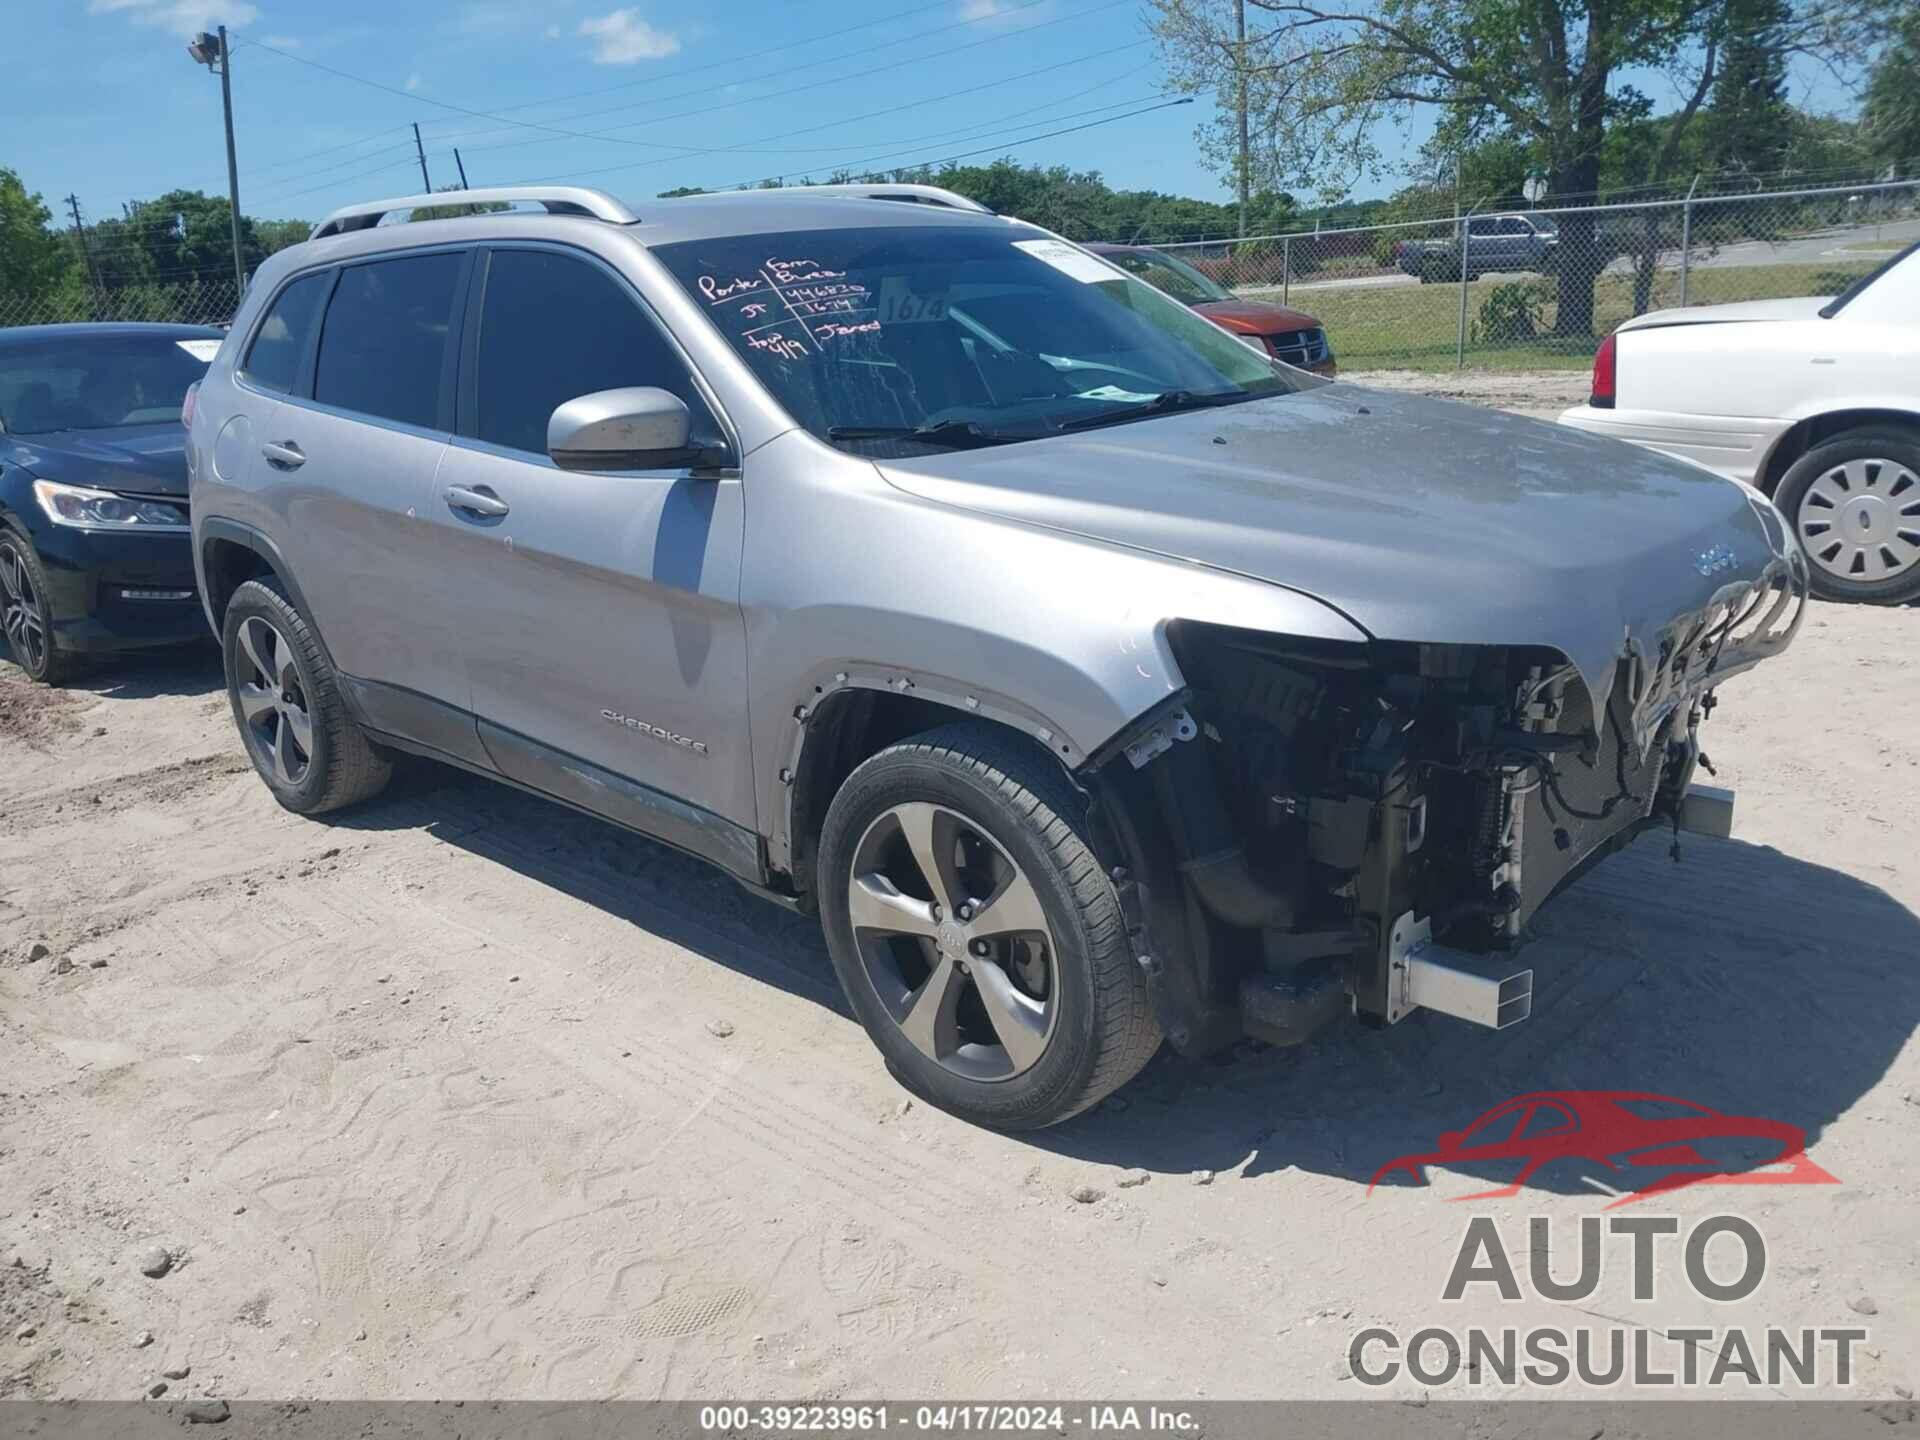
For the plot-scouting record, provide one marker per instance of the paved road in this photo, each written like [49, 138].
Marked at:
[1831, 244]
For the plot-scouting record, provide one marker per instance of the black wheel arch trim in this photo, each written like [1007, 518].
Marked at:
[217, 528]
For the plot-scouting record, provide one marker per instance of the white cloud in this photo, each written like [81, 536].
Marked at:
[553, 32]
[282, 42]
[622, 37]
[183, 17]
[981, 9]
[413, 82]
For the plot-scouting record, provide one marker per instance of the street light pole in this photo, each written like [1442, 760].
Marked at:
[233, 166]
[212, 51]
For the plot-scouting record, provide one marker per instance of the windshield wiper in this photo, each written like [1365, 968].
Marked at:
[944, 432]
[1164, 403]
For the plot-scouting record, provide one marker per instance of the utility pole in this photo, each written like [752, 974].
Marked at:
[426, 184]
[458, 165]
[1240, 101]
[213, 52]
[73, 204]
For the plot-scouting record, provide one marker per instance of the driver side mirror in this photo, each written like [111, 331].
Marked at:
[639, 427]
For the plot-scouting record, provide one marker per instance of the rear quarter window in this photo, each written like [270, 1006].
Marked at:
[273, 360]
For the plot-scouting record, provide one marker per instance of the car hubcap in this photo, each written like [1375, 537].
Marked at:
[273, 705]
[1861, 520]
[20, 614]
[954, 941]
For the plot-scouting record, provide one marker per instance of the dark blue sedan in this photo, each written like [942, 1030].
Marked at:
[95, 550]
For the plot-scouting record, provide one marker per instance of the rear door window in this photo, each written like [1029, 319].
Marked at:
[280, 344]
[554, 328]
[384, 350]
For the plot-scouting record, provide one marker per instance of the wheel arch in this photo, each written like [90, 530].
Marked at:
[852, 715]
[1800, 437]
[228, 554]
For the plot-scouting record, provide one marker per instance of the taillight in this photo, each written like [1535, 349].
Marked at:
[1602, 396]
[187, 404]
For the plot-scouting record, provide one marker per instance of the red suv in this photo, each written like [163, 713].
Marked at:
[1286, 334]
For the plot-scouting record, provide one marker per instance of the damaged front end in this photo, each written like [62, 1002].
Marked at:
[1314, 828]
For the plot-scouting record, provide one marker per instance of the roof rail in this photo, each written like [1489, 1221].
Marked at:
[559, 200]
[913, 194]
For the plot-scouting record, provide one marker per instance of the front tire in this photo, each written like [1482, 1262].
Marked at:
[286, 703]
[977, 934]
[25, 617]
[1854, 501]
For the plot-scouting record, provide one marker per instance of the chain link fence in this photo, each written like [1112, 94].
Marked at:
[1537, 288]
[192, 302]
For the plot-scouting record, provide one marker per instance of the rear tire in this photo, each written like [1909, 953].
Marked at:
[1031, 934]
[286, 703]
[1854, 503]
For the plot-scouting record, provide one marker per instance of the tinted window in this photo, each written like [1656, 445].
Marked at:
[99, 382]
[274, 361]
[384, 346]
[552, 329]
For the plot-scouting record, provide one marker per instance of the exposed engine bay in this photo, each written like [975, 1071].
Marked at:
[1323, 828]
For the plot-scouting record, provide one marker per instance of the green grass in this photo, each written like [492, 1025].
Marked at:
[1415, 327]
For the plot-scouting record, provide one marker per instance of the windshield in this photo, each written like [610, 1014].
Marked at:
[894, 340]
[99, 382]
[1177, 278]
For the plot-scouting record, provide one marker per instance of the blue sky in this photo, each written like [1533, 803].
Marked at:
[685, 91]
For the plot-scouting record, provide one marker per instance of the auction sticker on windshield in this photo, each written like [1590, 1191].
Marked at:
[1070, 260]
[200, 349]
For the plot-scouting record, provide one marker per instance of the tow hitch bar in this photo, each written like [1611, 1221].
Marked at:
[1486, 989]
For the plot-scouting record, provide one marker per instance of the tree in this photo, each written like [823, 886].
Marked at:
[1749, 125]
[1324, 75]
[31, 256]
[1891, 123]
[277, 235]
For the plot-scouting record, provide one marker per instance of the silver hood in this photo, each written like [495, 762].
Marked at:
[1419, 519]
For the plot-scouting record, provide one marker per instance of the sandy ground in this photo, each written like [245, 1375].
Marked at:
[462, 1095]
[1543, 394]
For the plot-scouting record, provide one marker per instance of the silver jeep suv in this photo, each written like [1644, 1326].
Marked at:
[1095, 677]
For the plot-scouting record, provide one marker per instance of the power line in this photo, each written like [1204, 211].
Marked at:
[964, 132]
[969, 154]
[721, 63]
[856, 119]
[429, 100]
[788, 49]
[800, 88]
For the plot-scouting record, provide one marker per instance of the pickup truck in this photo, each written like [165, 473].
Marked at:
[1494, 242]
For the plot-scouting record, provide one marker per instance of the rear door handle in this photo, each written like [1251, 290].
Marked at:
[476, 502]
[283, 454]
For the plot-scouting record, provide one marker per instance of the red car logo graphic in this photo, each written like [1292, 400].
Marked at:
[1622, 1130]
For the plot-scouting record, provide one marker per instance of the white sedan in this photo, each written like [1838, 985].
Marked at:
[1814, 402]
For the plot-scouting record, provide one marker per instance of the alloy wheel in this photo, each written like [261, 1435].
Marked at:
[21, 617]
[954, 941]
[273, 703]
[1860, 521]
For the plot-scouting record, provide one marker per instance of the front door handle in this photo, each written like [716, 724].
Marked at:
[476, 502]
[283, 454]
